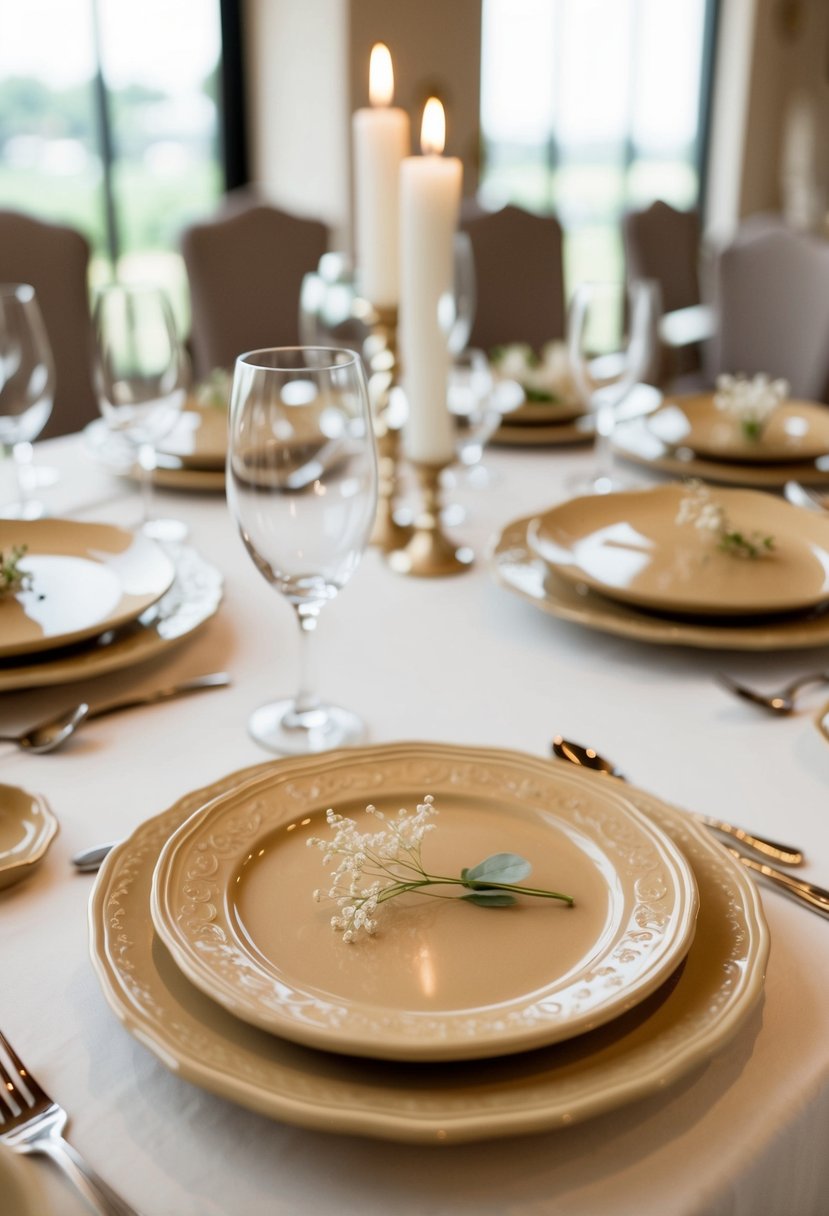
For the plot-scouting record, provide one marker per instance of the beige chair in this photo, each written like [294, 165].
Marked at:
[519, 278]
[54, 259]
[663, 244]
[772, 302]
[245, 268]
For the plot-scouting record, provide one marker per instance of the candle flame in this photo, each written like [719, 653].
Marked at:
[433, 129]
[380, 76]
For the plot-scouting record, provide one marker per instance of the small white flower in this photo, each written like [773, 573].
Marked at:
[750, 402]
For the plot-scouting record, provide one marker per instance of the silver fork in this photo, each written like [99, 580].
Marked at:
[780, 702]
[30, 1122]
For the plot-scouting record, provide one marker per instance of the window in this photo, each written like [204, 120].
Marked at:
[111, 123]
[590, 107]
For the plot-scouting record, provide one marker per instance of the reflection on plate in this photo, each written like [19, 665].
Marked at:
[199, 438]
[629, 546]
[636, 441]
[115, 453]
[84, 579]
[679, 1027]
[192, 599]
[27, 828]
[518, 568]
[442, 979]
[796, 431]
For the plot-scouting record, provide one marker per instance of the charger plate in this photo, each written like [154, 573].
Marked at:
[795, 431]
[19, 1185]
[517, 567]
[170, 473]
[679, 1028]
[629, 546]
[85, 579]
[442, 979]
[27, 828]
[198, 438]
[193, 598]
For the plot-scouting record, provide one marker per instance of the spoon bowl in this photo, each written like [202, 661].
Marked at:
[46, 736]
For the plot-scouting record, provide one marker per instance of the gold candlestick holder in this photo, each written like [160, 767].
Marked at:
[380, 353]
[430, 553]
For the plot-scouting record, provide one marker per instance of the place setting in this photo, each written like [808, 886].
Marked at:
[677, 564]
[748, 432]
[213, 938]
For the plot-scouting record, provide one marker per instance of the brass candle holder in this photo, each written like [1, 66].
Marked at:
[430, 553]
[380, 353]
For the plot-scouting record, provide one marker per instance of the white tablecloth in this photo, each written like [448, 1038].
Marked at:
[458, 660]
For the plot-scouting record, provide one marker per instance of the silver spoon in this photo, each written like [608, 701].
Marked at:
[46, 736]
[800, 496]
[781, 702]
[585, 757]
[49, 735]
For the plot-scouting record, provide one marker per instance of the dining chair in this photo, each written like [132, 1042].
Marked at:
[772, 301]
[245, 267]
[54, 259]
[519, 275]
[663, 244]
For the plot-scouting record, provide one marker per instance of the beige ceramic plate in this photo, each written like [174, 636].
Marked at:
[199, 438]
[19, 1188]
[170, 474]
[629, 546]
[559, 435]
[442, 979]
[795, 431]
[634, 440]
[27, 828]
[85, 579]
[518, 568]
[678, 1028]
[193, 598]
[540, 413]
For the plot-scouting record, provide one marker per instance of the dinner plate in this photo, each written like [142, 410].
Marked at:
[19, 1187]
[170, 473]
[636, 442]
[192, 599]
[83, 580]
[541, 413]
[27, 828]
[680, 1027]
[795, 431]
[631, 547]
[441, 979]
[519, 569]
[564, 434]
[199, 438]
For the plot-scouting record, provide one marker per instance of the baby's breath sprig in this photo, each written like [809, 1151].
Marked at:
[12, 578]
[374, 867]
[750, 402]
[701, 510]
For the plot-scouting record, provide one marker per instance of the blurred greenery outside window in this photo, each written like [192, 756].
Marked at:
[591, 107]
[147, 75]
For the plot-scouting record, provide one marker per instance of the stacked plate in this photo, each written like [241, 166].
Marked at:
[623, 563]
[453, 1022]
[95, 599]
[689, 436]
[191, 457]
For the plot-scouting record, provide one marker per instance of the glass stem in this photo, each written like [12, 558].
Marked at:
[21, 454]
[146, 463]
[603, 447]
[306, 702]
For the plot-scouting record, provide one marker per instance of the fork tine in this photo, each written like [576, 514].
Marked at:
[8, 1095]
[35, 1092]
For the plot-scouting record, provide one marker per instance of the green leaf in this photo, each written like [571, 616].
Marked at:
[500, 867]
[490, 899]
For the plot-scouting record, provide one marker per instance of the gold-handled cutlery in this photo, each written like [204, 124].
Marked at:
[49, 735]
[783, 701]
[31, 1122]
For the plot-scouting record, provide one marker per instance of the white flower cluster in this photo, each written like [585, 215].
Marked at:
[372, 866]
[750, 402]
[544, 376]
[697, 507]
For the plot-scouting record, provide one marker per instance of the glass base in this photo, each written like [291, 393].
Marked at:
[320, 730]
[169, 530]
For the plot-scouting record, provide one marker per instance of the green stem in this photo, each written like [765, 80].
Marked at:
[434, 880]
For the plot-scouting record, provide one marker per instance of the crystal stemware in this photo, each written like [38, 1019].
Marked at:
[302, 486]
[609, 342]
[27, 386]
[456, 309]
[141, 378]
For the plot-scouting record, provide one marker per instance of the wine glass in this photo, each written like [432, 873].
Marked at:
[27, 387]
[456, 308]
[141, 378]
[302, 486]
[609, 343]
